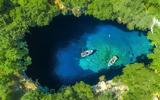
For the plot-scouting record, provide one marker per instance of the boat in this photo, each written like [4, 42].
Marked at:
[112, 60]
[87, 53]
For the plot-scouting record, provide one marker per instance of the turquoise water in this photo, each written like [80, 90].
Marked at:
[107, 40]
[55, 50]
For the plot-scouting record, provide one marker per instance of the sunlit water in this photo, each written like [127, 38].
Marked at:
[107, 40]
[55, 50]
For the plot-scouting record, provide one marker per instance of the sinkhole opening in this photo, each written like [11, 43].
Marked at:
[56, 50]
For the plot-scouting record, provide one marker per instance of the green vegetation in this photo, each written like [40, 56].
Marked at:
[79, 91]
[134, 13]
[106, 96]
[142, 82]
[16, 16]
[102, 78]
[155, 65]
[76, 7]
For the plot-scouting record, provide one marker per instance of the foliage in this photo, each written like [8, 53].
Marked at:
[141, 81]
[76, 7]
[1, 5]
[79, 91]
[101, 9]
[33, 95]
[10, 87]
[16, 16]
[136, 13]
[155, 65]
[106, 96]
[102, 78]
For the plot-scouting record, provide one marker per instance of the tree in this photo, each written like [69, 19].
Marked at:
[106, 96]
[142, 82]
[155, 65]
[16, 16]
[101, 9]
[1, 5]
[102, 78]
[79, 91]
[83, 91]
[33, 95]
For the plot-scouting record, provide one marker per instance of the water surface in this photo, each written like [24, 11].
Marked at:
[108, 41]
[55, 50]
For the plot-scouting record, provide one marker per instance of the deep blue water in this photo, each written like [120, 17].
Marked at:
[107, 40]
[55, 50]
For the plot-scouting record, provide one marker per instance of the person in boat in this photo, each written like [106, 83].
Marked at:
[113, 60]
[87, 53]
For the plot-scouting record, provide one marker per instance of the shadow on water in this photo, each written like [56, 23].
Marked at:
[143, 59]
[109, 73]
[43, 42]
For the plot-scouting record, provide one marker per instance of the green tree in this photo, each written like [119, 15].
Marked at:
[101, 9]
[102, 78]
[155, 65]
[79, 91]
[106, 96]
[83, 91]
[33, 95]
[142, 82]
[1, 5]
[16, 16]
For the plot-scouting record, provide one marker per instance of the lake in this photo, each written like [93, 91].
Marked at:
[55, 50]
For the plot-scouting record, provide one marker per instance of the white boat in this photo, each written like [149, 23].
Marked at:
[86, 53]
[112, 60]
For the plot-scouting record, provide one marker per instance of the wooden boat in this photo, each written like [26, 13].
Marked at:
[87, 53]
[112, 60]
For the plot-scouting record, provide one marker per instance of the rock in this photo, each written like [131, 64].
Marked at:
[110, 86]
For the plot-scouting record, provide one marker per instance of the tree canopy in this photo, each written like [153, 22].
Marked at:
[17, 16]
